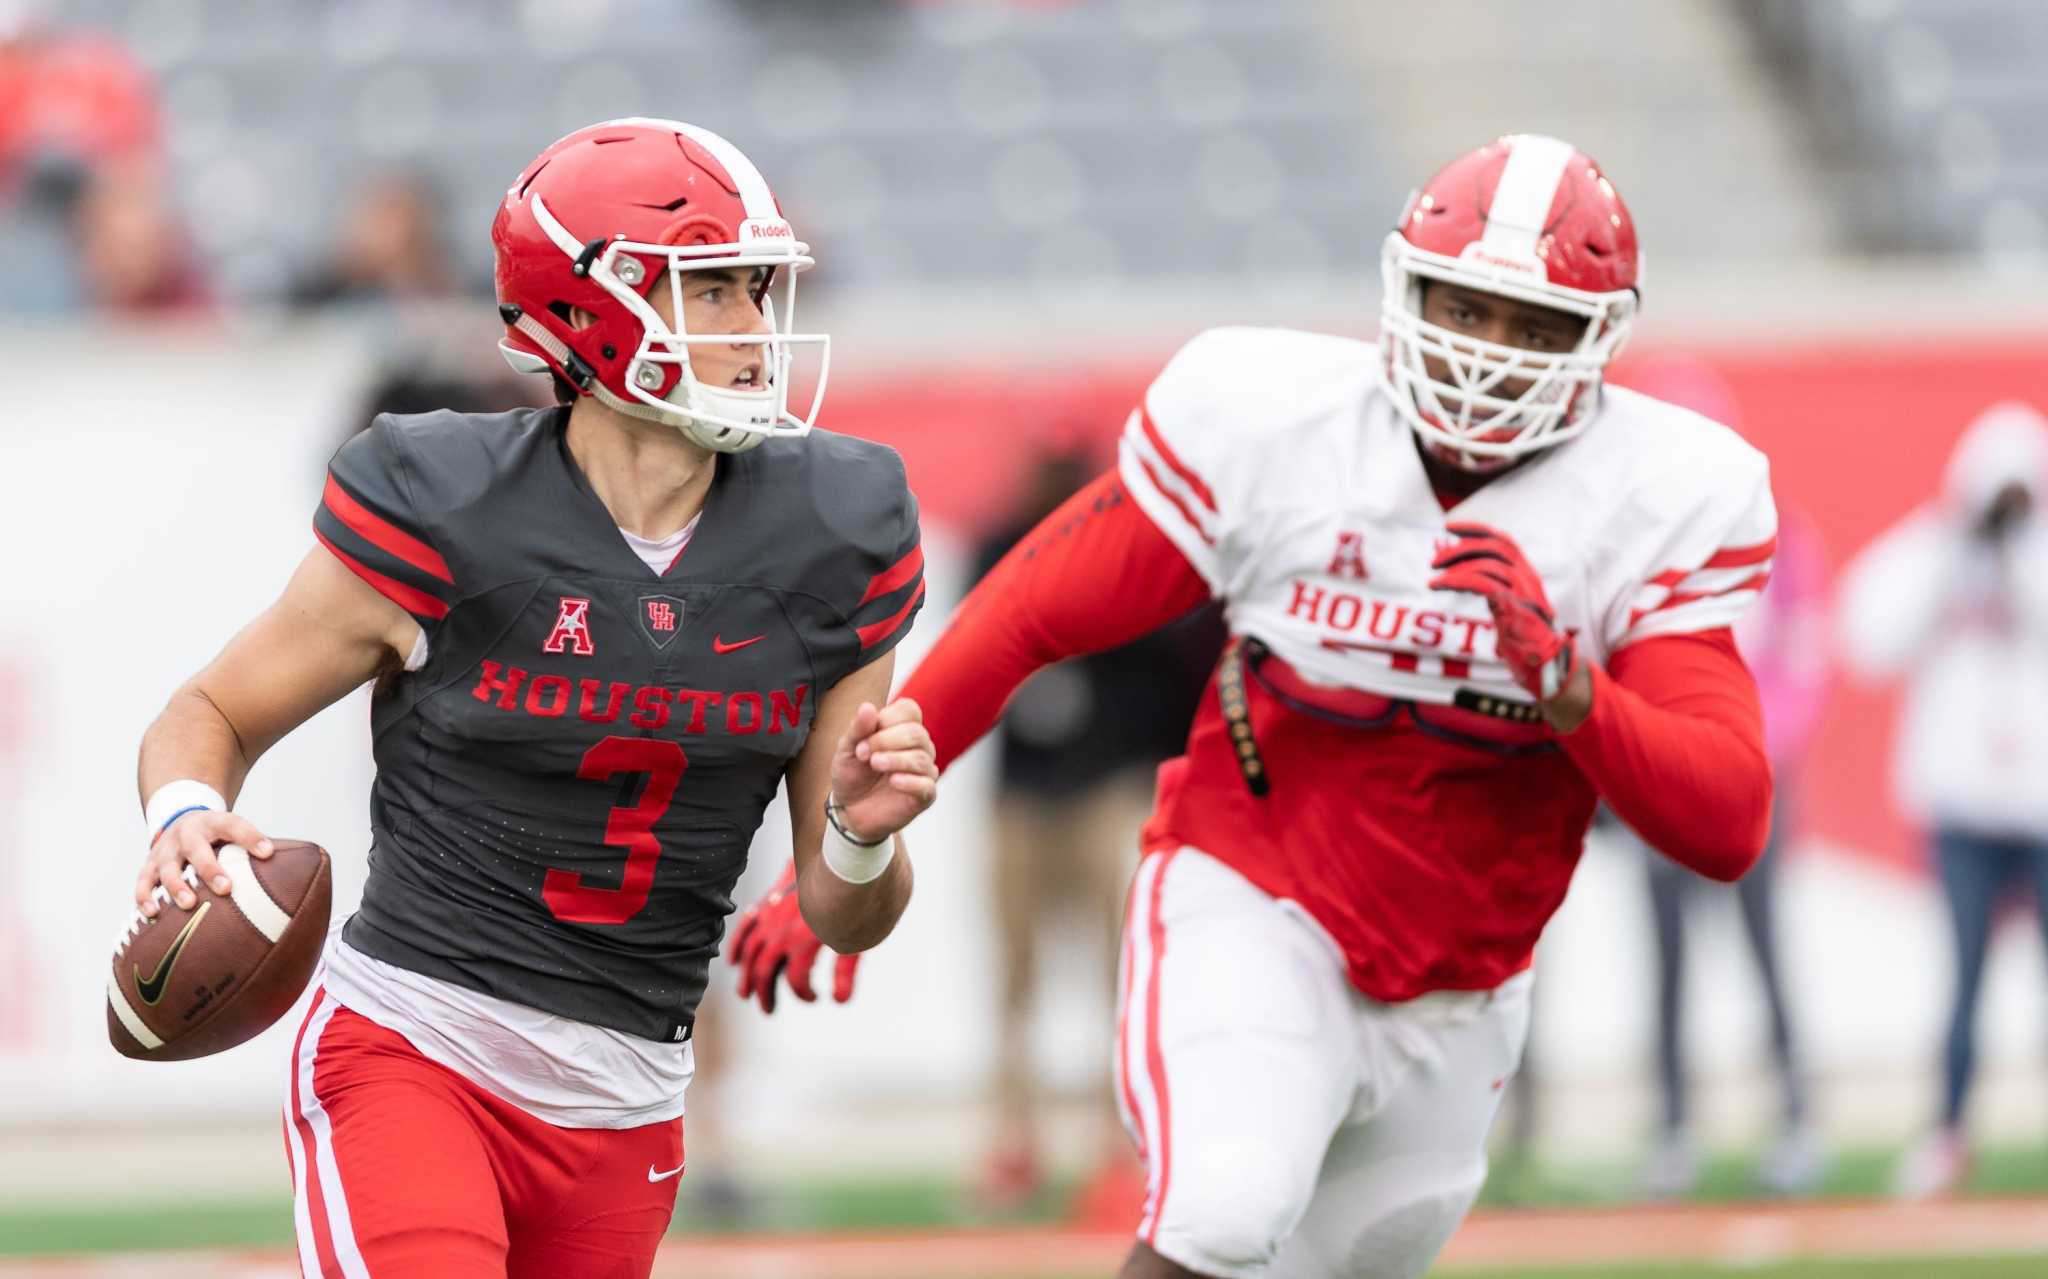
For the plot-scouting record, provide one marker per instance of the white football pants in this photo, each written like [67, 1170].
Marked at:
[1290, 1125]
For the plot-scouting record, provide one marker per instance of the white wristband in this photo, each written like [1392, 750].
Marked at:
[173, 800]
[856, 863]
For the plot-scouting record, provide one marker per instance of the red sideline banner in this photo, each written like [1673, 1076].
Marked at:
[1858, 433]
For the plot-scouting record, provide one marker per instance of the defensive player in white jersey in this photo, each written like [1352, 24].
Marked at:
[1471, 590]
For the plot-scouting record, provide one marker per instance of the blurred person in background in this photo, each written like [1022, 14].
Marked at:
[1074, 780]
[1954, 600]
[72, 103]
[391, 248]
[68, 95]
[1785, 642]
[428, 378]
[390, 261]
[135, 258]
[1385, 793]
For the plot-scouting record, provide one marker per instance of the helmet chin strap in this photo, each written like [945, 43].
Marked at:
[700, 429]
[694, 428]
[710, 416]
[722, 439]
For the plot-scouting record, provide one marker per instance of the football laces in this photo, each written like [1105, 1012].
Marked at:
[137, 920]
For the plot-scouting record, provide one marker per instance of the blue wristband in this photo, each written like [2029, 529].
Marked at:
[172, 819]
[177, 799]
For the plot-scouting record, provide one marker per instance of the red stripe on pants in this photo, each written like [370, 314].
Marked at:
[1154, 1061]
[316, 1202]
[1123, 1019]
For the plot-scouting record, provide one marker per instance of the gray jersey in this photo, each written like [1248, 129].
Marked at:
[566, 790]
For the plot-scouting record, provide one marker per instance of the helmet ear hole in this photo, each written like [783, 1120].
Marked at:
[575, 317]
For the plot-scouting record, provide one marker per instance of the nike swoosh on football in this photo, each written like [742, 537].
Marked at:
[652, 1175]
[720, 646]
[151, 988]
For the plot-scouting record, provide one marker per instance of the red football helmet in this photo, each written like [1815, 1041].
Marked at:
[1530, 218]
[601, 217]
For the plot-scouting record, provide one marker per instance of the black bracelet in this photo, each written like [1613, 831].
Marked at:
[833, 808]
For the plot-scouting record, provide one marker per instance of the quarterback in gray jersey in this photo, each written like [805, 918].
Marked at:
[603, 634]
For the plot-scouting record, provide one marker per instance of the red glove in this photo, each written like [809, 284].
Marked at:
[1486, 562]
[773, 940]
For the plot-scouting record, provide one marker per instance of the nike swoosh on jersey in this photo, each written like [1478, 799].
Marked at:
[720, 646]
[151, 988]
[652, 1175]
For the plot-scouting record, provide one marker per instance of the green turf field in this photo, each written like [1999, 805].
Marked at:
[1943, 1268]
[1919, 1268]
[1726, 1177]
[937, 1203]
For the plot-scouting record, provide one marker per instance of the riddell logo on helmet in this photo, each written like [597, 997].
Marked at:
[1476, 252]
[763, 229]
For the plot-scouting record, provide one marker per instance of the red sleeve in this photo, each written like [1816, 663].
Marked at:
[1095, 574]
[1675, 745]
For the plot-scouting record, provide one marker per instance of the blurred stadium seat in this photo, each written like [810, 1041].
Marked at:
[1932, 112]
[990, 140]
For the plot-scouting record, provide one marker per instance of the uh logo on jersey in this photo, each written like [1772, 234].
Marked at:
[660, 618]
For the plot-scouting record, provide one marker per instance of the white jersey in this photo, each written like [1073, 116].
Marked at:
[1277, 462]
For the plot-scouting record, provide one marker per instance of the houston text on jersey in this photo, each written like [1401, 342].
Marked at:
[595, 701]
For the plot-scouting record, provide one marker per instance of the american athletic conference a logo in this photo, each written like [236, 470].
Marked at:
[1348, 560]
[571, 633]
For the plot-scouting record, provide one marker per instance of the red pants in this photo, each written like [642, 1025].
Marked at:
[402, 1169]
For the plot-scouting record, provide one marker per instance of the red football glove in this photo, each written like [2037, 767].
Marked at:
[1486, 562]
[773, 940]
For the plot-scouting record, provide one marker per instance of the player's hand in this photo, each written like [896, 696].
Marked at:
[190, 841]
[884, 771]
[773, 941]
[1487, 563]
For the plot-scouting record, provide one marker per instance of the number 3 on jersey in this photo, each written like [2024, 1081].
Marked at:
[575, 902]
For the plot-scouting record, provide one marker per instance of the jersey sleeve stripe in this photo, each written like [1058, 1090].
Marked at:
[412, 600]
[1742, 556]
[1178, 505]
[1153, 482]
[877, 632]
[1709, 581]
[1754, 582]
[383, 534]
[1173, 463]
[892, 578]
[1165, 509]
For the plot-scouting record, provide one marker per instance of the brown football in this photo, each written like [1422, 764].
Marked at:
[190, 983]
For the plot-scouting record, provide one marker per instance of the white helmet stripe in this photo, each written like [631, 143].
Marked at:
[753, 187]
[552, 225]
[1528, 187]
[754, 193]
